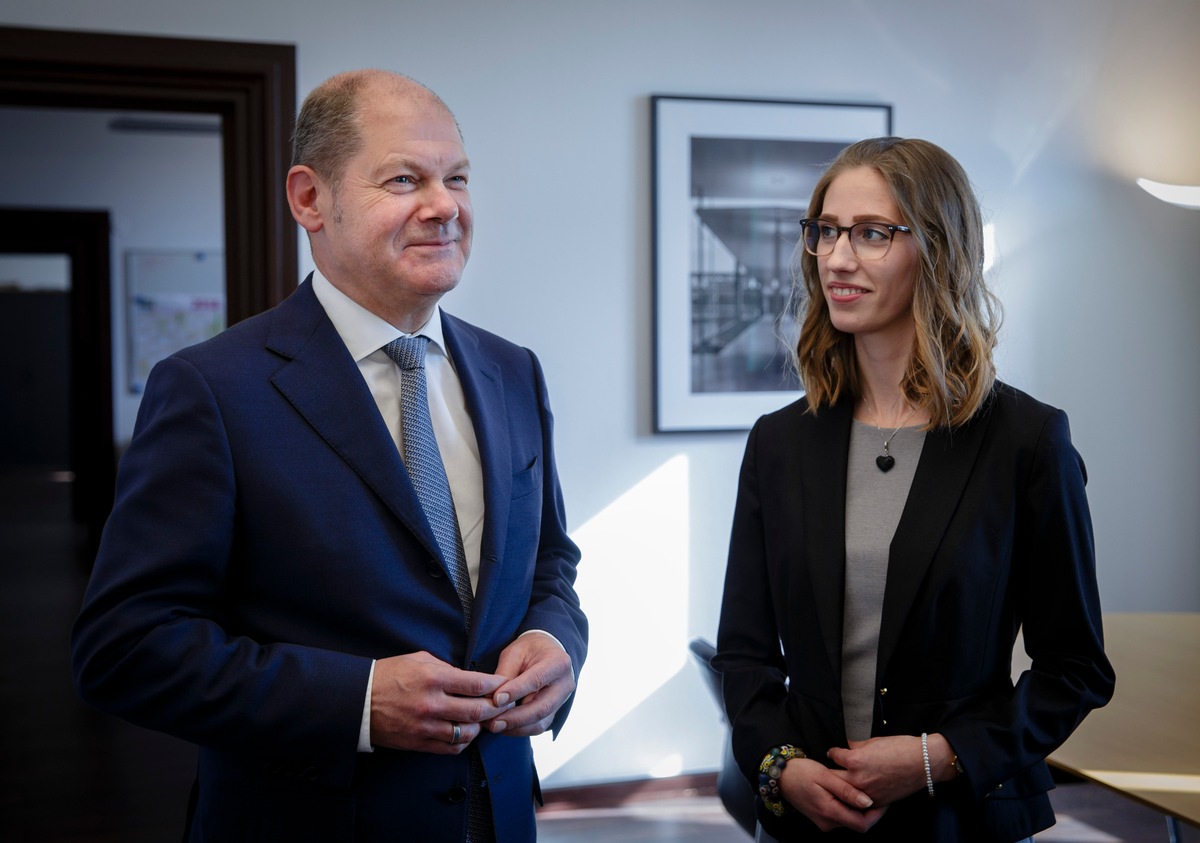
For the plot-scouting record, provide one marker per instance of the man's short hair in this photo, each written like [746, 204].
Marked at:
[328, 129]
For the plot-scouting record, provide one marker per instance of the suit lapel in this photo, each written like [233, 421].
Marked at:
[947, 461]
[325, 387]
[483, 391]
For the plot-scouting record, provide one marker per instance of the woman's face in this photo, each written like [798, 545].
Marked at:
[868, 298]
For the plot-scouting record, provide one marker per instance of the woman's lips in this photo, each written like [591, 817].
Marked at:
[845, 293]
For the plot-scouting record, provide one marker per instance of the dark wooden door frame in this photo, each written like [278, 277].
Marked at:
[83, 236]
[251, 86]
[253, 89]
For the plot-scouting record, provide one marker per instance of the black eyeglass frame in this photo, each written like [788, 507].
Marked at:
[816, 222]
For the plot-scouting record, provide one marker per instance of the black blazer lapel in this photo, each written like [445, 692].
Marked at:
[947, 461]
[822, 472]
[323, 384]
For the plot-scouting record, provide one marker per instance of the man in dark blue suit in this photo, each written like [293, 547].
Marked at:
[269, 585]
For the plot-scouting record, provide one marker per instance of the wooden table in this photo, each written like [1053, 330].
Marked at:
[1145, 744]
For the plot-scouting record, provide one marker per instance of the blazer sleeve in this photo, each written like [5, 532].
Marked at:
[1059, 608]
[553, 604]
[150, 643]
[749, 656]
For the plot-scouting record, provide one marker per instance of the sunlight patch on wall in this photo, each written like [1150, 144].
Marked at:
[670, 765]
[633, 583]
[989, 246]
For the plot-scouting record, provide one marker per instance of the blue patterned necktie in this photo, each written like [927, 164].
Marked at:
[424, 462]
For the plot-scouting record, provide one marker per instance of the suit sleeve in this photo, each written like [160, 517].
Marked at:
[553, 604]
[1059, 606]
[152, 644]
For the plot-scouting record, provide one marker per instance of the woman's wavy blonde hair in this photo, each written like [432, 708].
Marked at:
[950, 371]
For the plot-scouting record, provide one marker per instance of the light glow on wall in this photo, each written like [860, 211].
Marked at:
[670, 765]
[1183, 195]
[633, 583]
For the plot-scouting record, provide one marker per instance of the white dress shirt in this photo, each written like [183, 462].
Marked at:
[365, 336]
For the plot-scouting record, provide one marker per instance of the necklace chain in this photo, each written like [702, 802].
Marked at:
[874, 421]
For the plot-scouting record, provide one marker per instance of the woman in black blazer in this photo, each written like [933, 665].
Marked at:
[895, 528]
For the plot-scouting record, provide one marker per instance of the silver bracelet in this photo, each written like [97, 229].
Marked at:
[925, 757]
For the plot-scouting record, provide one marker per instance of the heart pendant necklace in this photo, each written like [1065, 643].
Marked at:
[885, 461]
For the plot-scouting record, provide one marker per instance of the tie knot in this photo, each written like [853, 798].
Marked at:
[408, 352]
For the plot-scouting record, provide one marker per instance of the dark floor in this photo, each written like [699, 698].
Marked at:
[71, 775]
[67, 772]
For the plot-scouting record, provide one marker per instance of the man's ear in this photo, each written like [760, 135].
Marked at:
[303, 186]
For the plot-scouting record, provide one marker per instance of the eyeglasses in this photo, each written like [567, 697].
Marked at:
[869, 240]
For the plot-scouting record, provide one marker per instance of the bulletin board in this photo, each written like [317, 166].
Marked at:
[173, 299]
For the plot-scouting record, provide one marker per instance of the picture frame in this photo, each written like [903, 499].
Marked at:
[731, 178]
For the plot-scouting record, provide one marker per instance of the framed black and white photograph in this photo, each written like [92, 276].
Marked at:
[731, 180]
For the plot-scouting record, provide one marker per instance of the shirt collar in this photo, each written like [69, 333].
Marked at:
[362, 331]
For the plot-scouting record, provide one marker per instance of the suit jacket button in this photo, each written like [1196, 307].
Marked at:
[457, 794]
[434, 569]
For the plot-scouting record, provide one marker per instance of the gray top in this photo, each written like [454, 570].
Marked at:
[874, 503]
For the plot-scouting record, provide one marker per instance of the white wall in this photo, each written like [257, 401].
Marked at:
[1052, 107]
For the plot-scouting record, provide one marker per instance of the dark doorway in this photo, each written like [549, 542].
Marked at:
[251, 86]
[34, 387]
[84, 408]
[69, 773]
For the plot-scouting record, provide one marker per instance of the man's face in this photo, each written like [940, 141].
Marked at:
[397, 232]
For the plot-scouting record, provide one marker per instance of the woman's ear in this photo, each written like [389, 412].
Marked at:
[303, 187]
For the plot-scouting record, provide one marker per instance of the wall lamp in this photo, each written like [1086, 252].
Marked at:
[1183, 195]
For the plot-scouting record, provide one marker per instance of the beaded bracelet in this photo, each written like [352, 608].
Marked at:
[769, 772]
[925, 758]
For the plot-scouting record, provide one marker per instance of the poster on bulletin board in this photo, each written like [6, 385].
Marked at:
[173, 299]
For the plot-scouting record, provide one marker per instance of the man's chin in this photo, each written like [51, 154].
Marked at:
[431, 287]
